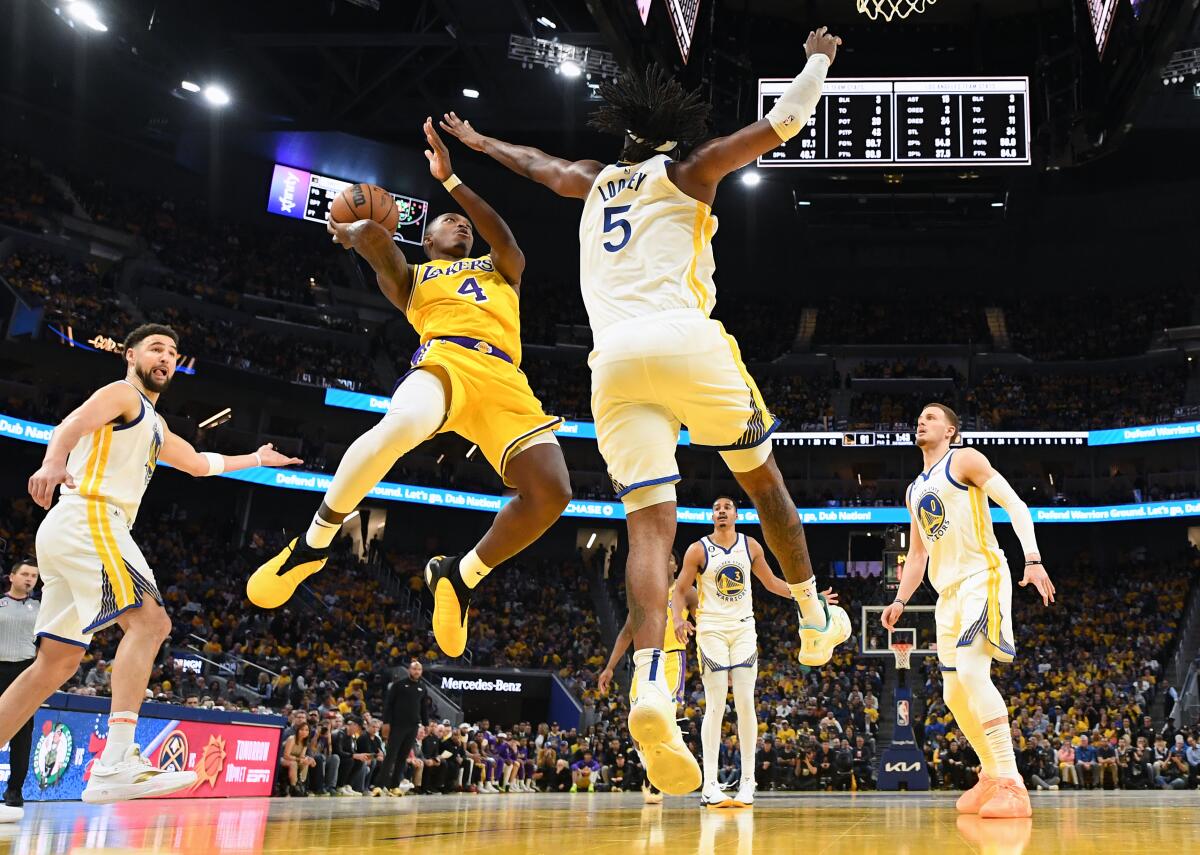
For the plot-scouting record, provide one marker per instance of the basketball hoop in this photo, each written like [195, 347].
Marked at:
[889, 9]
[903, 653]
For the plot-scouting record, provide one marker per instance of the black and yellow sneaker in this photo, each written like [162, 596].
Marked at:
[451, 599]
[274, 583]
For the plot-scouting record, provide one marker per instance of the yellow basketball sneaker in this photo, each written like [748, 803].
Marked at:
[670, 766]
[274, 583]
[817, 643]
[451, 599]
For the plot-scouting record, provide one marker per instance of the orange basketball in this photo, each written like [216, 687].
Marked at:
[365, 202]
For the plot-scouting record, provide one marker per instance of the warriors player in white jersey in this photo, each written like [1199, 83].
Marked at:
[659, 361]
[726, 638]
[103, 455]
[952, 531]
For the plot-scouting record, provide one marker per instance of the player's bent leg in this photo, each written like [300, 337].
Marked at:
[959, 703]
[416, 413]
[539, 474]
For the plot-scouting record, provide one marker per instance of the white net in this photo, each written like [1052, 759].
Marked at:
[889, 9]
[903, 654]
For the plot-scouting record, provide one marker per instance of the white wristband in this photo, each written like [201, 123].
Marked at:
[216, 462]
[258, 457]
[451, 182]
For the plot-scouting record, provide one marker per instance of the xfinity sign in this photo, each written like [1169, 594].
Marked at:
[455, 684]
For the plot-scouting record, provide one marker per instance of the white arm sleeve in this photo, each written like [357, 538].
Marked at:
[216, 463]
[797, 103]
[1002, 493]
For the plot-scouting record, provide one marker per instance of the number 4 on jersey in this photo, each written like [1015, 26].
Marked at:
[471, 287]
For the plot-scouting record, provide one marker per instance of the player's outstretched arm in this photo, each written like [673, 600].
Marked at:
[700, 173]
[506, 254]
[372, 241]
[115, 402]
[910, 578]
[684, 582]
[972, 468]
[179, 453]
[564, 177]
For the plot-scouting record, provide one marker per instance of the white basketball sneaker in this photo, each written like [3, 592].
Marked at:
[670, 766]
[11, 814]
[712, 797]
[817, 643]
[745, 794]
[132, 777]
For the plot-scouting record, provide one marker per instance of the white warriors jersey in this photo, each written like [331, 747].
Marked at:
[645, 246]
[724, 578]
[955, 523]
[114, 464]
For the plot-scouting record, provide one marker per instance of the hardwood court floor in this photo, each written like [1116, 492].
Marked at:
[1095, 823]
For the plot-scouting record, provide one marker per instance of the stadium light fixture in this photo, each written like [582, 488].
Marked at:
[592, 540]
[216, 95]
[85, 13]
[569, 68]
[471, 451]
[751, 178]
[216, 419]
[547, 23]
[471, 93]
[997, 204]
[189, 86]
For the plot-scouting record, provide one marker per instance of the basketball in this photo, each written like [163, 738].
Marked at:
[365, 202]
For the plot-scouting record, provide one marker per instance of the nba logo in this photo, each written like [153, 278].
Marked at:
[902, 713]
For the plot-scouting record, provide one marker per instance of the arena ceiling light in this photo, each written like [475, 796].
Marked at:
[189, 86]
[84, 13]
[569, 68]
[216, 419]
[553, 54]
[547, 23]
[216, 95]
[471, 93]
[751, 178]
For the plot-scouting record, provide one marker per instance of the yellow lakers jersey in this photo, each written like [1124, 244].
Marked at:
[114, 464]
[671, 642]
[467, 297]
[955, 523]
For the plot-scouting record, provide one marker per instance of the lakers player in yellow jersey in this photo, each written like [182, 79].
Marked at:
[951, 532]
[674, 655]
[102, 456]
[659, 361]
[465, 378]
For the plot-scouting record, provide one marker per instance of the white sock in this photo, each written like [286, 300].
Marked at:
[805, 595]
[472, 569]
[649, 668]
[321, 532]
[121, 726]
[999, 742]
[715, 685]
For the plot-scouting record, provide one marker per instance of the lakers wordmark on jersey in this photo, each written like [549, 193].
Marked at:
[465, 297]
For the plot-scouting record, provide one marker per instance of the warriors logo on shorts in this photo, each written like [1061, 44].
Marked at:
[730, 582]
[931, 515]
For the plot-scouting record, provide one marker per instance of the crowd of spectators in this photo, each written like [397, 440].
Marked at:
[27, 196]
[1088, 699]
[898, 369]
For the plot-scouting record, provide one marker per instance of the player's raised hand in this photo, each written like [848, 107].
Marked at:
[831, 597]
[890, 615]
[1035, 574]
[43, 482]
[462, 130]
[604, 681]
[822, 41]
[437, 154]
[270, 457]
[353, 235]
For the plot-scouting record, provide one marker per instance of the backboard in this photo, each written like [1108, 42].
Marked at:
[875, 640]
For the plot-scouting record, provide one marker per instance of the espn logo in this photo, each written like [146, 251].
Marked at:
[914, 766]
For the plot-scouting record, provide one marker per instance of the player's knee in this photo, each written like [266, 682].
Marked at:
[55, 667]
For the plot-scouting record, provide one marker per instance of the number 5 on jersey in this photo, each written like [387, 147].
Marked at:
[471, 287]
[613, 220]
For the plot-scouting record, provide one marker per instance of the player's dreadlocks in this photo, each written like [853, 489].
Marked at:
[652, 106]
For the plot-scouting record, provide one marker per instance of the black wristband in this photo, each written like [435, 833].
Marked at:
[1032, 563]
[900, 601]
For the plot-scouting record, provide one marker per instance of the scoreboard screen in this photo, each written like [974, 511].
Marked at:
[909, 122]
[305, 195]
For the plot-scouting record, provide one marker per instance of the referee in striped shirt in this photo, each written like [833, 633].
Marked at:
[18, 614]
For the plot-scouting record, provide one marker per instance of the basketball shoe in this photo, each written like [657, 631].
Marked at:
[274, 583]
[11, 814]
[1009, 801]
[976, 797]
[131, 777]
[817, 643]
[670, 766]
[712, 797]
[451, 599]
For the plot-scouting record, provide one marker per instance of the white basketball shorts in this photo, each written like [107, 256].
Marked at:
[980, 604]
[725, 647]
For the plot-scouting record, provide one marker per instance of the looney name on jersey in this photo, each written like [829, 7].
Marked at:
[611, 188]
[462, 266]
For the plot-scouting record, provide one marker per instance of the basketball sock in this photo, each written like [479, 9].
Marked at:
[960, 705]
[747, 718]
[805, 595]
[121, 726]
[472, 569]
[417, 411]
[999, 740]
[322, 531]
[715, 686]
[649, 668]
